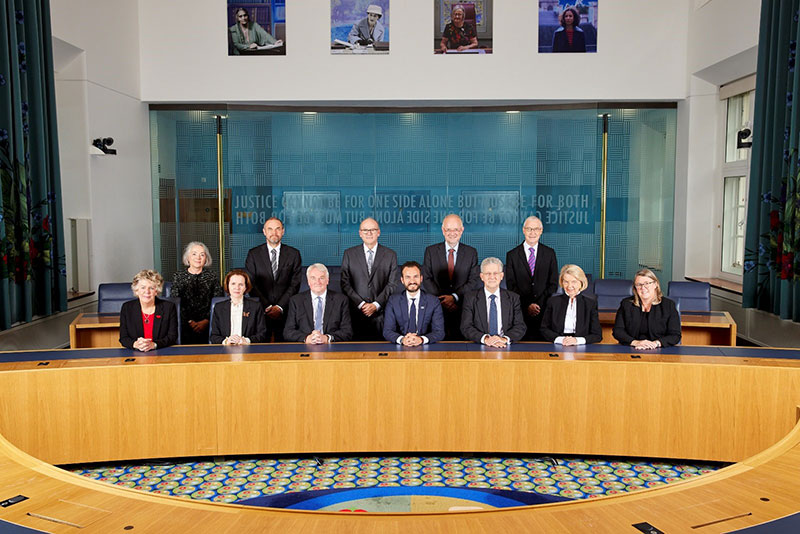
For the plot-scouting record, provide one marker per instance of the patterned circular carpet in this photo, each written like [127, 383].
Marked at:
[391, 481]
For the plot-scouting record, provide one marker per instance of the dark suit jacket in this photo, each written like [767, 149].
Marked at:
[254, 322]
[475, 318]
[165, 323]
[587, 322]
[335, 317]
[362, 287]
[279, 289]
[430, 319]
[664, 324]
[534, 289]
[465, 274]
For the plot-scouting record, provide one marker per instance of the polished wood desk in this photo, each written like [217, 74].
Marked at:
[91, 405]
[697, 328]
[89, 330]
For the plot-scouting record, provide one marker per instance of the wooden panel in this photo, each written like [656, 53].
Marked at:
[678, 410]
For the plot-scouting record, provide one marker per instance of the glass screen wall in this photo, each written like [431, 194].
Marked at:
[322, 173]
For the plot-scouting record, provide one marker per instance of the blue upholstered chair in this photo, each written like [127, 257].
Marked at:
[214, 301]
[111, 296]
[690, 296]
[610, 292]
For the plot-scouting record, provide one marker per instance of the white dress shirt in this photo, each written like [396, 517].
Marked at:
[277, 250]
[488, 303]
[528, 248]
[314, 310]
[236, 321]
[571, 323]
[366, 258]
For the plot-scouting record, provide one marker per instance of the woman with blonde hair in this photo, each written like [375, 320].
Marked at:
[147, 322]
[571, 318]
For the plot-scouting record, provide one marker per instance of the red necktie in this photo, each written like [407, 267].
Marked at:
[451, 264]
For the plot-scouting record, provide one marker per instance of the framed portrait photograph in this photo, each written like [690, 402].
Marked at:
[359, 27]
[462, 26]
[567, 26]
[257, 28]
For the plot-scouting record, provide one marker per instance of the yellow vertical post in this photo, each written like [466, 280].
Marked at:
[604, 189]
[220, 200]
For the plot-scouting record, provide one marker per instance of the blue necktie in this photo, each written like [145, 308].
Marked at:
[412, 318]
[492, 315]
[318, 318]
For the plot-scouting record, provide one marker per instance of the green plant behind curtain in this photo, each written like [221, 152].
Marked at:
[32, 274]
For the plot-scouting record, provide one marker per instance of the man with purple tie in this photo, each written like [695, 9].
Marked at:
[532, 273]
[413, 317]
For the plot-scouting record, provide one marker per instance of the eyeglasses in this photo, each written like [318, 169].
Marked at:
[529, 229]
[369, 230]
[643, 284]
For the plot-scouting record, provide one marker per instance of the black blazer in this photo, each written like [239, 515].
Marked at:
[375, 287]
[335, 317]
[165, 323]
[664, 324]
[587, 322]
[534, 289]
[475, 319]
[276, 290]
[254, 322]
[465, 273]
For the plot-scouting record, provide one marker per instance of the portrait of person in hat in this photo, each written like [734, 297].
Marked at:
[369, 29]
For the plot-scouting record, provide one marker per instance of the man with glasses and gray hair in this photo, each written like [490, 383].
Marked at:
[369, 276]
[492, 316]
[532, 273]
[318, 316]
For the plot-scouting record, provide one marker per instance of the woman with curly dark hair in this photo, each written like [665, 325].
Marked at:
[569, 37]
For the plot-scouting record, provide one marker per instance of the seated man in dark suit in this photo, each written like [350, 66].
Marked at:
[450, 271]
[318, 316]
[369, 276]
[532, 273]
[492, 316]
[413, 317]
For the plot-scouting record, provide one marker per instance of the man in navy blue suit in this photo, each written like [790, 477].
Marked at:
[413, 317]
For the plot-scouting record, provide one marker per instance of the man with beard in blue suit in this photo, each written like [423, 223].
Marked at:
[413, 317]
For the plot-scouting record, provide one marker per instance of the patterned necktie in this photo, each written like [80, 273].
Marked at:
[532, 260]
[318, 316]
[451, 263]
[274, 262]
[369, 261]
[492, 315]
[412, 318]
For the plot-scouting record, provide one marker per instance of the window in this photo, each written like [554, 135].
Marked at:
[733, 223]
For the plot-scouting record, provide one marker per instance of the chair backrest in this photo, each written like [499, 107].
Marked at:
[610, 292]
[177, 302]
[167, 291]
[334, 278]
[214, 301]
[469, 13]
[690, 296]
[110, 297]
[280, 31]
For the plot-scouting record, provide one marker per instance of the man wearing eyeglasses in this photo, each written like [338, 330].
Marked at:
[369, 276]
[532, 273]
[492, 316]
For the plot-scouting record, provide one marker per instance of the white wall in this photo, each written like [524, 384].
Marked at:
[642, 56]
[98, 95]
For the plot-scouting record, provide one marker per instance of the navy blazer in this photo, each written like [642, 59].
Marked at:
[587, 321]
[254, 322]
[165, 323]
[335, 317]
[430, 319]
[534, 289]
[465, 272]
[274, 290]
[475, 318]
[664, 324]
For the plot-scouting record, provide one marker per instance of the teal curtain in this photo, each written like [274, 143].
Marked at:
[32, 271]
[772, 262]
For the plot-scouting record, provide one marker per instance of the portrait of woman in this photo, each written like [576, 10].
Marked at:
[458, 34]
[648, 319]
[195, 286]
[147, 322]
[571, 318]
[238, 320]
[569, 37]
[247, 34]
[369, 29]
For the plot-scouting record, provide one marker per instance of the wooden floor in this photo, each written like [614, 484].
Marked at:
[707, 408]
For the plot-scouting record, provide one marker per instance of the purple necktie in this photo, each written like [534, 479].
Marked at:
[532, 260]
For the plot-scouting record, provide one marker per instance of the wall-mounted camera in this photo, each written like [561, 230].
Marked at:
[742, 136]
[102, 145]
